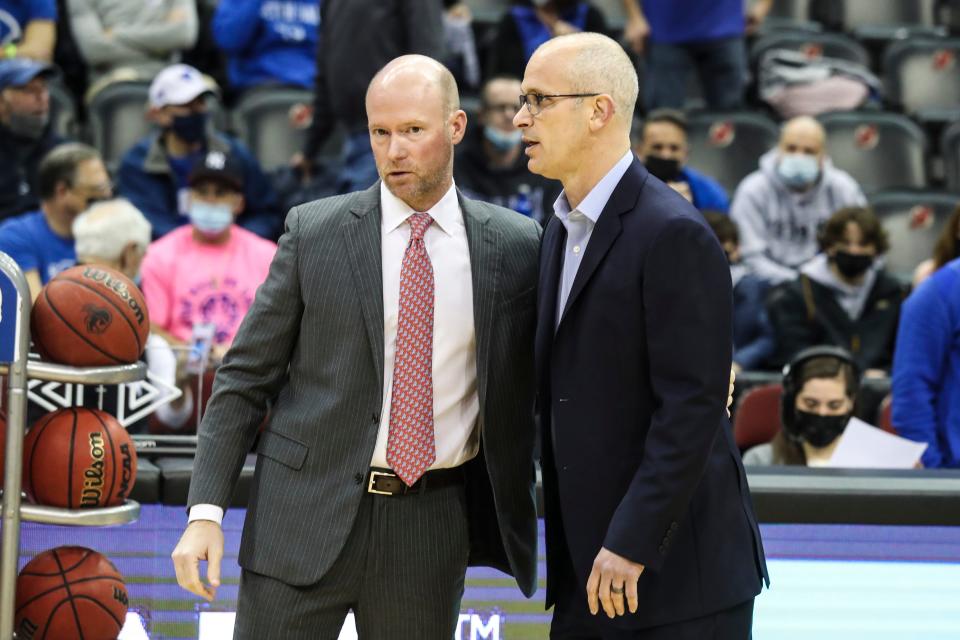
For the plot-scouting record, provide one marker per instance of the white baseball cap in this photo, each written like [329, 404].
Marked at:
[179, 84]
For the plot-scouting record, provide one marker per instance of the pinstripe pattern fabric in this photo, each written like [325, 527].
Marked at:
[401, 572]
[312, 345]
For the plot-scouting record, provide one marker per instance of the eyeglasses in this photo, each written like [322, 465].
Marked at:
[534, 101]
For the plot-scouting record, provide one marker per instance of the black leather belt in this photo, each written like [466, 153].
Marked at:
[386, 483]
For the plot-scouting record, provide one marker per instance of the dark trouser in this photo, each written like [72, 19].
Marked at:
[401, 571]
[572, 619]
[720, 64]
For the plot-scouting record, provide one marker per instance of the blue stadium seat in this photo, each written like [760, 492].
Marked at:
[922, 77]
[913, 220]
[728, 145]
[880, 150]
[950, 150]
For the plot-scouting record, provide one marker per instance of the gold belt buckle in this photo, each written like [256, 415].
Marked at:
[373, 479]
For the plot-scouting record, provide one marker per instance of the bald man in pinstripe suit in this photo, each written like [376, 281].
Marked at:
[393, 337]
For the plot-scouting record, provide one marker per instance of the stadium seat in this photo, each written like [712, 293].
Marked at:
[885, 415]
[63, 110]
[262, 119]
[883, 19]
[880, 150]
[913, 220]
[489, 11]
[796, 11]
[814, 45]
[728, 145]
[922, 77]
[950, 150]
[756, 418]
[116, 118]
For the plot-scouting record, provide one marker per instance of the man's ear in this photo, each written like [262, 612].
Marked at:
[458, 125]
[604, 109]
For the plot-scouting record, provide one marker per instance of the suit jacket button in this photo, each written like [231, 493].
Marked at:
[358, 478]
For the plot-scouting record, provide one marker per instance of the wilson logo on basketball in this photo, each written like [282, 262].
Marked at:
[96, 319]
[721, 133]
[93, 475]
[126, 473]
[120, 596]
[118, 287]
[27, 629]
[866, 137]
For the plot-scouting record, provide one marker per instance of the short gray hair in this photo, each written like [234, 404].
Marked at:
[106, 228]
[601, 65]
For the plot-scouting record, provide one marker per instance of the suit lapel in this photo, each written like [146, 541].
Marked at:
[551, 253]
[362, 234]
[623, 199]
[483, 239]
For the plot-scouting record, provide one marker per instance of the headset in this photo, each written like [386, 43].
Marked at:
[791, 382]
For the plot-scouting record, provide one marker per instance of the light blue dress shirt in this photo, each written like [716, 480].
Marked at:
[580, 222]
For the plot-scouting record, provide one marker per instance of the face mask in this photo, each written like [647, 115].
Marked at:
[798, 170]
[28, 125]
[851, 265]
[190, 128]
[819, 430]
[210, 219]
[501, 141]
[667, 169]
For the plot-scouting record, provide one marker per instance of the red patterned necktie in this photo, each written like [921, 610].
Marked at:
[410, 444]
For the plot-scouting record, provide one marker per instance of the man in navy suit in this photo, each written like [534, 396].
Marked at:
[648, 513]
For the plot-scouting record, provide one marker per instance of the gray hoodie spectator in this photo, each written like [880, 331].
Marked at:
[137, 36]
[781, 207]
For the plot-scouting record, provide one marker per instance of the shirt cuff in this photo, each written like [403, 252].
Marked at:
[206, 512]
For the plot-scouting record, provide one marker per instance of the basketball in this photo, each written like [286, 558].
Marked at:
[70, 592]
[78, 458]
[90, 316]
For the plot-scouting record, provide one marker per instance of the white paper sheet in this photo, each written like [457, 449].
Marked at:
[866, 446]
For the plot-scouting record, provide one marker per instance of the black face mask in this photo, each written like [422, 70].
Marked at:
[667, 169]
[190, 128]
[851, 265]
[819, 430]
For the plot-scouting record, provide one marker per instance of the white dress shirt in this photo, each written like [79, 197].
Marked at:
[456, 405]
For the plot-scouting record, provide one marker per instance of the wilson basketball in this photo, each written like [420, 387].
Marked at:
[78, 458]
[70, 592]
[90, 316]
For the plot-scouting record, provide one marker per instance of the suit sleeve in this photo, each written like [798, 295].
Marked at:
[253, 372]
[688, 305]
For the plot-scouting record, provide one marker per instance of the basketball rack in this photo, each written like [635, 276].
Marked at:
[18, 371]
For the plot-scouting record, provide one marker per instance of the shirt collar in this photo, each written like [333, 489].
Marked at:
[592, 206]
[446, 213]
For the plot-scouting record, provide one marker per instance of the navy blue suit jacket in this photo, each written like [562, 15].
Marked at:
[638, 453]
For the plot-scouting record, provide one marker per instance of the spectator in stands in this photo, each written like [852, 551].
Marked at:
[207, 272]
[26, 134]
[781, 207]
[490, 164]
[28, 29]
[268, 41]
[704, 37]
[753, 340]
[70, 178]
[819, 391]
[844, 296]
[357, 39]
[153, 174]
[926, 368]
[123, 40]
[946, 249]
[114, 234]
[530, 23]
[660, 142]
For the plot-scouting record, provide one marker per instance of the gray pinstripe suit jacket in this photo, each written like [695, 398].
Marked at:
[312, 344]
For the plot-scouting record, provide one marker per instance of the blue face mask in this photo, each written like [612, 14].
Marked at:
[210, 219]
[501, 141]
[798, 170]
